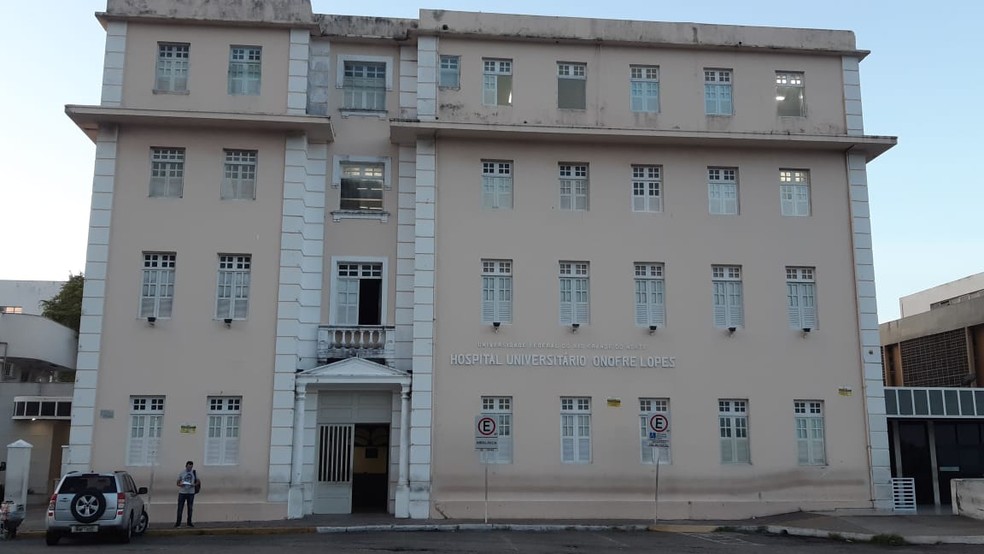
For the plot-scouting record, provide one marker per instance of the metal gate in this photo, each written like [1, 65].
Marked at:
[333, 482]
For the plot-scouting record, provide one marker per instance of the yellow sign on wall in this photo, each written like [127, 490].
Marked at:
[189, 429]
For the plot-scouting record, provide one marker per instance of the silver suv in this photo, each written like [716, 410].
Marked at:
[85, 504]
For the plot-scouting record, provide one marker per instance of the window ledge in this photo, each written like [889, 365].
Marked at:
[350, 112]
[338, 215]
[179, 92]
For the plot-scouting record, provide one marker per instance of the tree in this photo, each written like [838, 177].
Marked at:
[66, 306]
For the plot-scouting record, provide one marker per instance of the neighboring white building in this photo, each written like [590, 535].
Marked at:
[37, 361]
[960, 290]
[321, 246]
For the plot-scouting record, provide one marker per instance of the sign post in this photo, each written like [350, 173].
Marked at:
[658, 427]
[486, 440]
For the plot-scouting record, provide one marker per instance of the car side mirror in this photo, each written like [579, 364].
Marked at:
[142, 490]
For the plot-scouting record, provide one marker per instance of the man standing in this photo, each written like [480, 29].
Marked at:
[187, 481]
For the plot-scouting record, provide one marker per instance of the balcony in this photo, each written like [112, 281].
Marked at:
[356, 341]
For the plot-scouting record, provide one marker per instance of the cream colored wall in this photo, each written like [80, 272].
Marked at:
[208, 68]
[362, 136]
[191, 355]
[681, 88]
[765, 362]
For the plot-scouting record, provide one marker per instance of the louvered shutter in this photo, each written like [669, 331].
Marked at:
[504, 300]
[720, 304]
[566, 302]
[241, 295]
[504, 192]
[567, 438]
[213, 445]
[581, 301]
[641, 304]
[489, 96]
[488, 299]
[488, 192]
[584, 438]
[138, 441]
[809, 307]
[735, 309]
[231, 451]
[657, 309]
[795, 311]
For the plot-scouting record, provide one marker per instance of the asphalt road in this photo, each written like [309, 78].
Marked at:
[466, 542]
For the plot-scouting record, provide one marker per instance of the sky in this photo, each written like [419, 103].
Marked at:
[926, 207]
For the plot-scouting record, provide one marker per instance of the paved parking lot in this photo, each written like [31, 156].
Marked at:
[566, 542]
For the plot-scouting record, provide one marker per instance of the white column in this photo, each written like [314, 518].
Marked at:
[403, 485]
[295, 496]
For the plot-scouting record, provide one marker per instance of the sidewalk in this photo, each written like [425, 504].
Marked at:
[855, 525]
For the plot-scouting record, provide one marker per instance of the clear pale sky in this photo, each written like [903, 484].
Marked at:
[922, 83]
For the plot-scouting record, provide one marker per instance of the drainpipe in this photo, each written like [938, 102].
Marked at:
[403, 486]
[295, 495]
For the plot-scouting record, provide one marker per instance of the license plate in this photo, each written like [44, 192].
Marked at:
[85, 528]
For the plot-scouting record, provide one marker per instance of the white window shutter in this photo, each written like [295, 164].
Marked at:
[735, 309]
[641, 306]
[741, 450]
[504, 300]
[213, 450]
[795, 317]
[488, 193]
[489, 96]
[727, 453]
[584, 449]
[809, 308]
[222, 308]
[138, 441]
[639, 203]
[505, 450]
[231, 451]
[720, 307]
[657, 313]
[241, 308]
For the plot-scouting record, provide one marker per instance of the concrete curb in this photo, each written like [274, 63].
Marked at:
[450, 528]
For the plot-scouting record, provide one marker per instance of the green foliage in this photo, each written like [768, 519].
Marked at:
[66, 306]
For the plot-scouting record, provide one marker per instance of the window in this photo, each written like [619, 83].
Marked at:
[574, 304]
[222, 443]
[649, 305]
[167, 172]
[647, 407]
[172, 67]
[232, 297]
[728, 311]
[496, 291]
[499, 407]
[571, 84]
[575, 434]
[450, 76]
[11, 309]
[146, 422]
[358, 293]
[497, 185]
[722, 190]
[362, 187]
[802, 297]
[717, 92]
[364, 86]
[239, 182]
[644, 88]
[497, 82]
[809, 433]
[574, 187]
[157, 289]
[244, 70]
[790, 101]
[647, 188]
[733, 422]
[794, 192]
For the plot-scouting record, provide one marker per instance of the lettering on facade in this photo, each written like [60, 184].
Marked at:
[563, 360]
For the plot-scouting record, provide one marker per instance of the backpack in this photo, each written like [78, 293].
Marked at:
[198, 484]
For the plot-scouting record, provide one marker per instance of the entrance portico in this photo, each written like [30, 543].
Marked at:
[330, 403]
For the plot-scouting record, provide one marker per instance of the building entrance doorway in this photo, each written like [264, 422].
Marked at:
[370, 477]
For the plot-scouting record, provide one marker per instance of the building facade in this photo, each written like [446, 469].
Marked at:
[37, 367]
[934, 368]
[322, 248]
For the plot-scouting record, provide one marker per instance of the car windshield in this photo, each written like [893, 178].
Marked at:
[79, 483]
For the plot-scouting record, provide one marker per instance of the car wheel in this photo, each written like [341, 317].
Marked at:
[51, 538]
[142, 523]
[88, 505]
